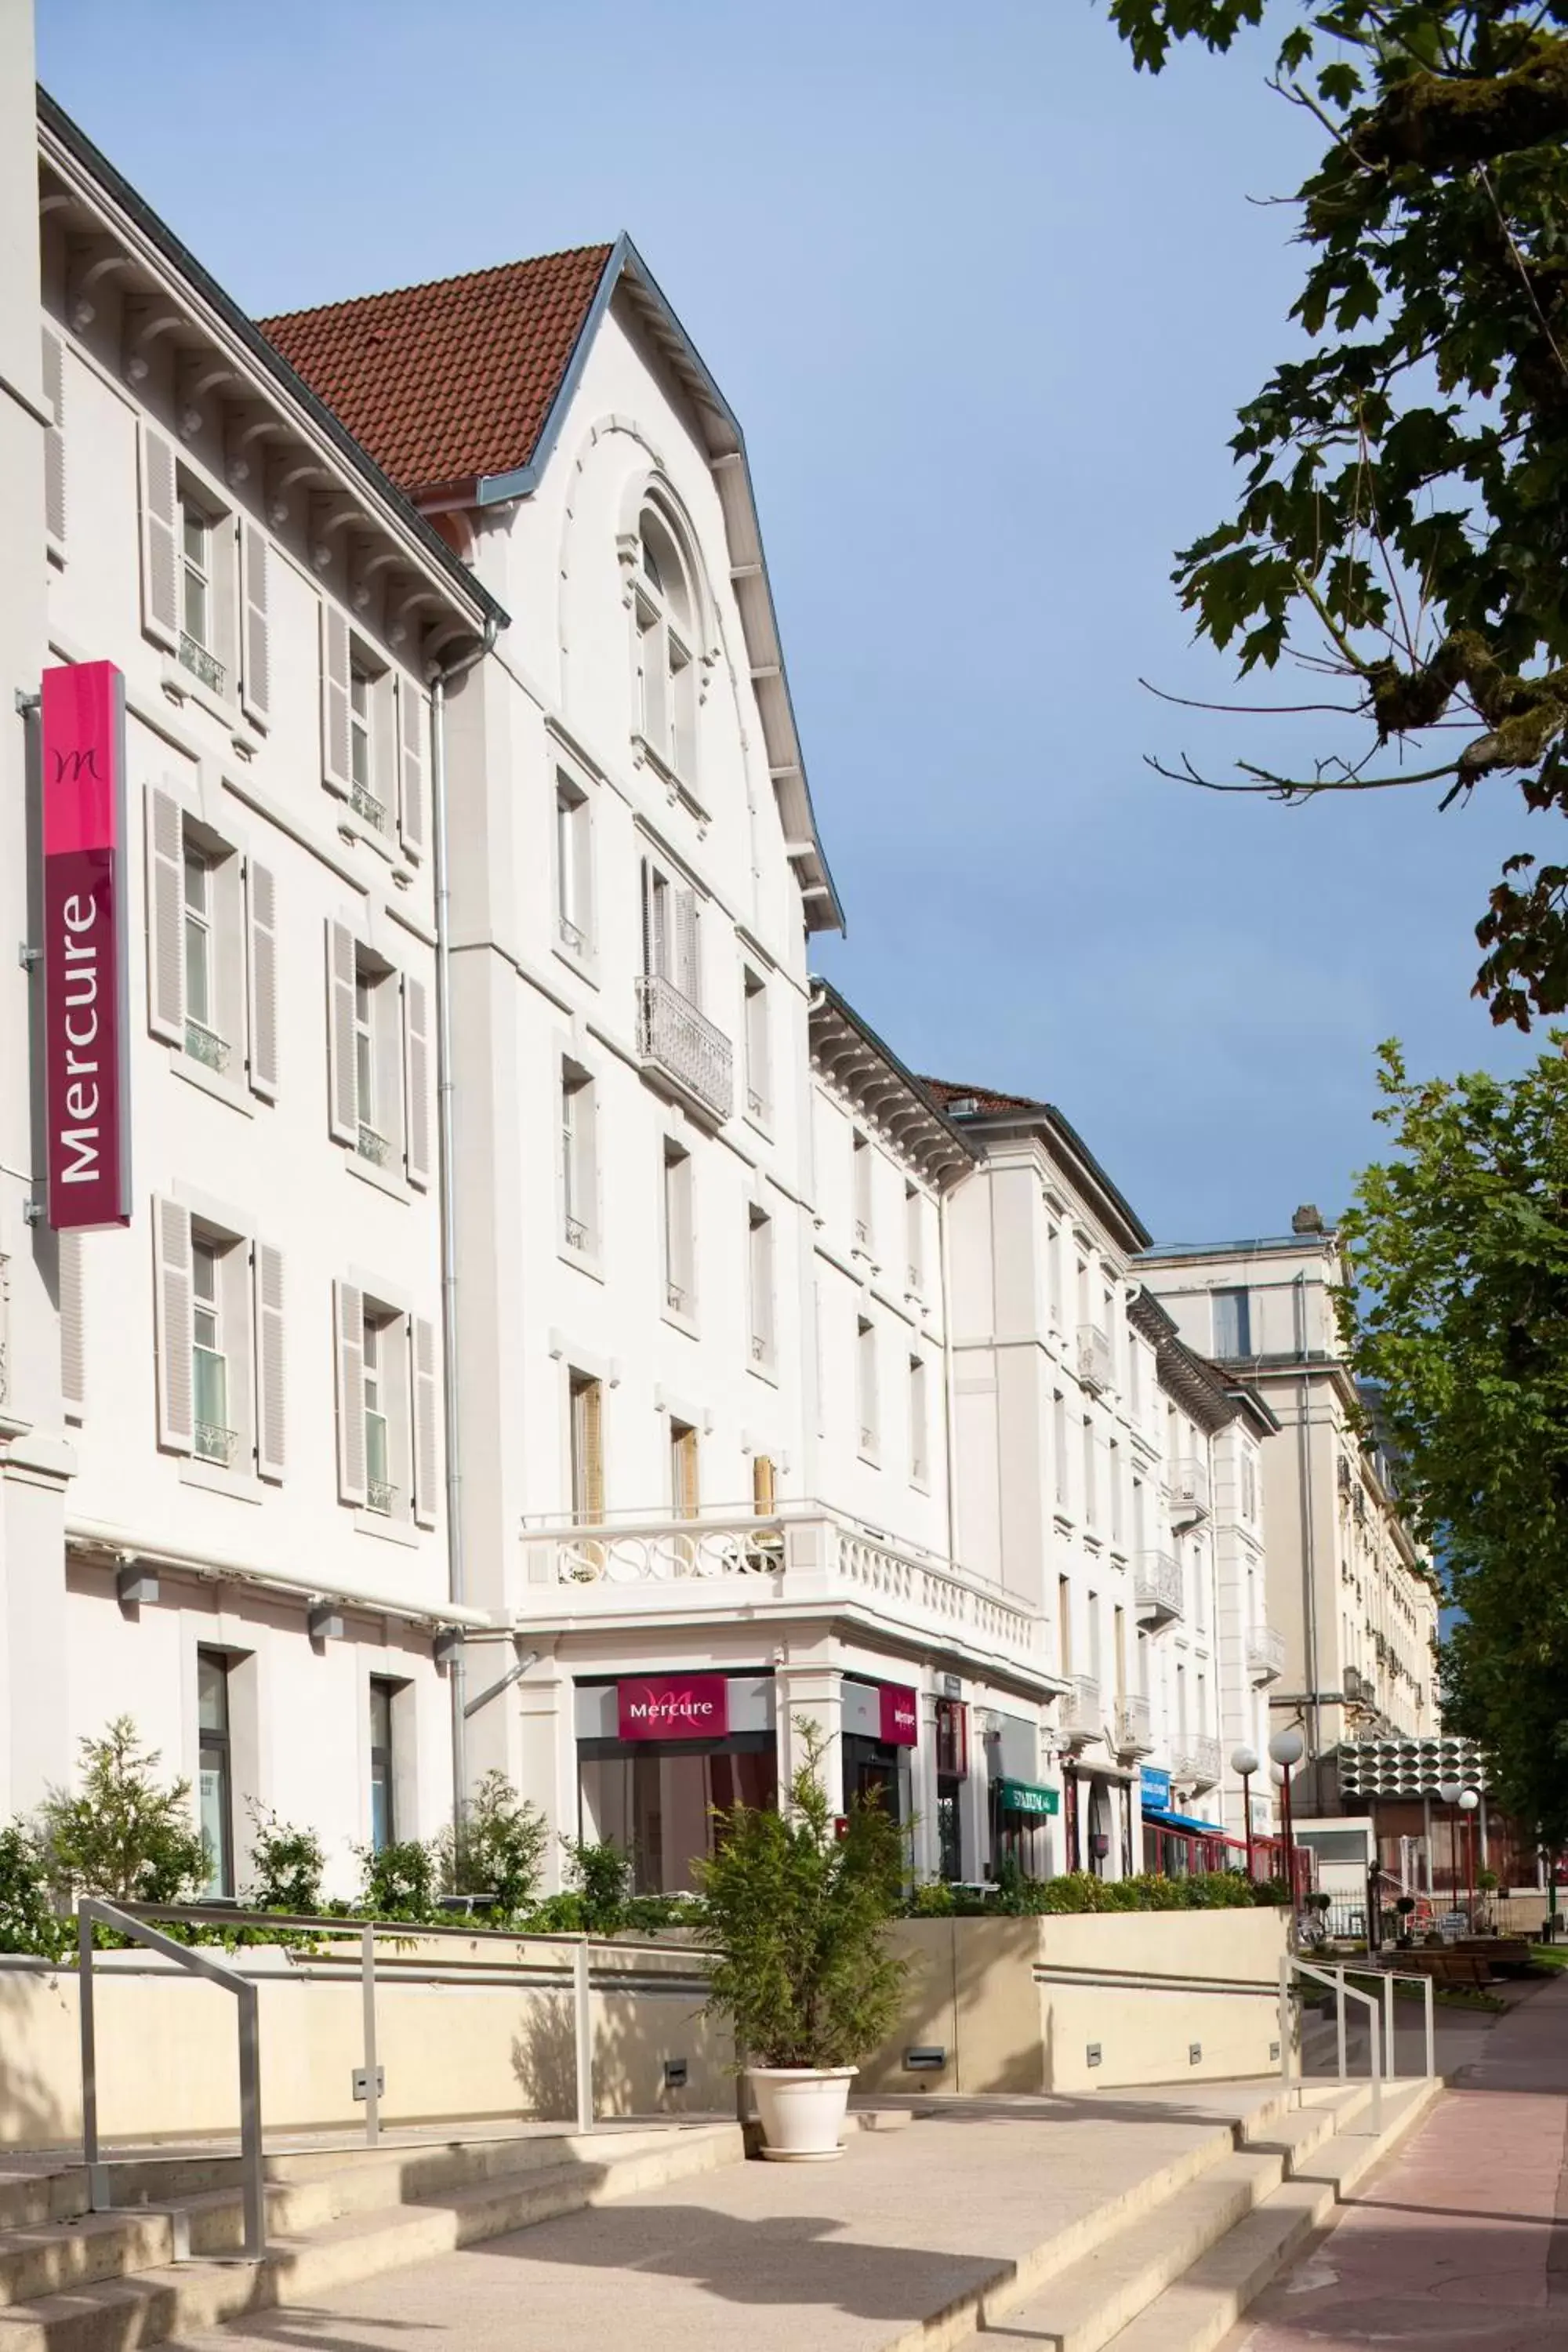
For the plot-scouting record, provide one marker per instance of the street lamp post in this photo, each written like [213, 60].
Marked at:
[1468, 1801]
[1244, 1763]
[1286, 1748]
[1449, 1791]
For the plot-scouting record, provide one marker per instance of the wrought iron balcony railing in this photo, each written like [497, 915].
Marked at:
[202, 665]
[204, 1045]
[1157, 1587]
[680, 1042]
[1094, 1362]
[1265, 1654]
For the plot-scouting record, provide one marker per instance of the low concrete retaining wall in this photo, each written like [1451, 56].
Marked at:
[1025, 2004]
[455, 2036]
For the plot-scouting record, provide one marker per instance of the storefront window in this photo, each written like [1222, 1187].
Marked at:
[656, 1801]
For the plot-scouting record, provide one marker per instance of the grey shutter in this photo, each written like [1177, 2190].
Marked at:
[426, 1404]
[255, 664]
[55, 441]
[160, 540]
[73, 1327]
[411, 766]
[649, 964]
[343, 1075]
[349, 1310]
[688, 958]
[261, 976]
[417, 1079]
[171, 1312]
[335, 749]
[269, 1418]
[165, 917]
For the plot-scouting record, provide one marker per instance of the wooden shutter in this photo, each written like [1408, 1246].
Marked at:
[591, 1402]
[342, 1074]
[55, 441]
[172, 1309]
[426, 1407]
[762, 1485]
[165, 917]
[336, 750]
[411, 766]
[255, 666]
[159, 540]
[268, 1264]
[261, 975]
[73, 1327]
[349, 1310]
[688, 959]
[417, 1079]
[650, 943]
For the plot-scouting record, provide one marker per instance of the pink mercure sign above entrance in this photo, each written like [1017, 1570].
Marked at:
[85, 946]
[674, 1706]
[900, 1725]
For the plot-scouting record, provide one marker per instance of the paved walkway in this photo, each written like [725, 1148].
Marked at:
[1461, 2241]
[777, 2258]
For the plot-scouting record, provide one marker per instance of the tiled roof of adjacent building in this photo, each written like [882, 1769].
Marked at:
[451, 380]
[986, 1101]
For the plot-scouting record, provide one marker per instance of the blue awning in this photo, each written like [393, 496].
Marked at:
[1183, 1821]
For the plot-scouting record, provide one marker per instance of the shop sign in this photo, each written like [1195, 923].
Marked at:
[1154, 1787]
[900, 1723]
[86, 946]
[674, 1706]
[1023, 1797]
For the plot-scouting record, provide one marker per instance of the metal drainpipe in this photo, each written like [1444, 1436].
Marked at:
[452, 1420]
[1308, 1530]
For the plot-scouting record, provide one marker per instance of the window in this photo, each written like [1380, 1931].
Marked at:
[1054, 1274]
[1248, 1483]
[1092, 1600]
[378, 1058]
[861, 1166]
[371, 1142]
[680, 1280]
[758, 1087]
[672, 945]
[914, 1238]
[198, 599]
[573, 868]
[760, 1239]
[216, 1440]
[579, 1162]
[1090, 1498]
[359, 769]
[920, 1467]
[1064, 1624]
[1059, 1446]
[372, 739]
[380, 1491]
[586, 1397]
[684, 1497]
[1114, 1479]
[383, 1803]
[866, 1375]
[1119, 1660]
[1232, 1323]
[203, 1036]
[215, 1771]
[212, 947]
[665, 685]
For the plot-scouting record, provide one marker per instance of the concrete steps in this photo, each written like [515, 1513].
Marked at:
[1178, 2276]
[104, 2282]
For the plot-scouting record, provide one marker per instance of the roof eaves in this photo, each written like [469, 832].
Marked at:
[53, 116]
[825, 993]
[1135, 1233]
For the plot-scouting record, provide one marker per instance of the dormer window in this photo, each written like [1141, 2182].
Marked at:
[665, 717]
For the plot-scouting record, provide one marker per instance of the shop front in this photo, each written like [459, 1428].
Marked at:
[658, 1753]
[881, 1731]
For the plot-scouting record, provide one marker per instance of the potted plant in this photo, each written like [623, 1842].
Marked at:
[796, 1910]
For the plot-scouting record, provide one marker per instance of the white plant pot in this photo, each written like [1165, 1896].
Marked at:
[801, 2110]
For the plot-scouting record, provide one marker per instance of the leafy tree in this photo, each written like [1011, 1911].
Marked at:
[28, 1920]
[1401, 526]
[125, 1836]
[795, 1913]
[497, 1848]
[289, 1864]
[1458, 1313]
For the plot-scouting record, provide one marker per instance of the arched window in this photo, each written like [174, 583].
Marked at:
[664, 613]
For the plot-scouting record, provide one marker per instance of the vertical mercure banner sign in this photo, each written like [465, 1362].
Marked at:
[87, 1030]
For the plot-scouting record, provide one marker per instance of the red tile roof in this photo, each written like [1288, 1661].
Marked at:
[445, 382]
[988, 1102]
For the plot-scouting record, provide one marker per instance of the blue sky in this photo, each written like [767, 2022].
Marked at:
[986, 302]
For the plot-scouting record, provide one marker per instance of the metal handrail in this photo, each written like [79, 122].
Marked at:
[1335, 1979]
[90, 1912]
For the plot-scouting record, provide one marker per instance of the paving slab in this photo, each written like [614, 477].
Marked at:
[846, 2257]
[1460, 2239]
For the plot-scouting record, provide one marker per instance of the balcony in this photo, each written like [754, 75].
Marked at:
[1265, 1654]
[798, 1564]
[679, 1045]
[1359, 1688]
[1157, 1589]
[367, 808]
[202, 665]
[1083, 1713]
[1194, 1759]
[1189, 1493]
[1134, 1727]
[1094, 1366]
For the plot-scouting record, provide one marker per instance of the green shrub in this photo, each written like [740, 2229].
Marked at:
[496, 1848]
[28, 1920]
[1079, 1890]
[289, 1864]
[602, 1877]
[400, 1882]
[123, 1837]
[794, 1912]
